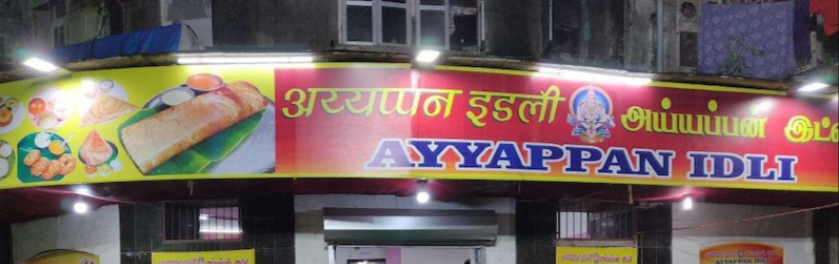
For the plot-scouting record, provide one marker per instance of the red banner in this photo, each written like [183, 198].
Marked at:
[476, 124]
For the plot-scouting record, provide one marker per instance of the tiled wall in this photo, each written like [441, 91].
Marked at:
[535, 232]
[5, 243]
[825, 233]
[654, 236]
[267, 225]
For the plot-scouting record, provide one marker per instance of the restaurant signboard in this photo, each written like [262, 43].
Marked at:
[393, 121]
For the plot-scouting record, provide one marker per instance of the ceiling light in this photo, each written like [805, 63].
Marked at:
[219, 231]
[584, 76]
[83, 190]
[80, 207]
[763, 106]
[427, 56]
[549, 70]
[40, 65]
[423, 197]
[244, 59]
[687, 204]
[813, 87]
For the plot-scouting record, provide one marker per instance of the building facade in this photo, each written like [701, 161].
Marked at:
[301, 131]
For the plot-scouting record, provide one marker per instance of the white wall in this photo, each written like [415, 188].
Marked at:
[96, 232]
[407, 255]
[437, 256]
[310, 247]
[343, 254]
[793, 232]
[834, 250]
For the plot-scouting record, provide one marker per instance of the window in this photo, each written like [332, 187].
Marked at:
[592, 220]
[463, 25]
[58, 36]
[394, 22]
[377, 22]
[359, 25]
[587, 33]
[445, 24]
[202, 221]
[58, 8]
[180, 10]
[433, 23]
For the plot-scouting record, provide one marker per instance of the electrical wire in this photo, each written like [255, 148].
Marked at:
[746, 220]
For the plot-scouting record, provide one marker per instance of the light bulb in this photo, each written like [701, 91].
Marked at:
[80, 207]
[687, 204]
[423, 197]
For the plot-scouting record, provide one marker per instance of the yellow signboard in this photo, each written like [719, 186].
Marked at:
[596, 255]
[110, 126]
[742, 252]
[205, 257]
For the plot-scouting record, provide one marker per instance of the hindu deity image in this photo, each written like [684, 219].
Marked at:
[591, 115]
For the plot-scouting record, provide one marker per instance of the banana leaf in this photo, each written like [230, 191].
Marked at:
[202, 157]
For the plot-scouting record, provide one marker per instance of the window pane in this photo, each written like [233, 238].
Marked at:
[202, 220]
[188, 9]
[58, 8]
[432, 2]
[360, 23]
[433, 28]
[396, 1]
[394, 23]
[220, 223]
[58, 36]
[465, 28]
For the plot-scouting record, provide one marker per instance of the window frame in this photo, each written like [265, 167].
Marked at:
[345, 25]
[381, 5]
[446, 8]
[54, 9]
[580, 208]
[378, 31]
[59, 33]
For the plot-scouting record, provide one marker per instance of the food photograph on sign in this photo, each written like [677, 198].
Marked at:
[237, 129]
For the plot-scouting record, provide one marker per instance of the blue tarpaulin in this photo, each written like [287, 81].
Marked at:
[150, 41]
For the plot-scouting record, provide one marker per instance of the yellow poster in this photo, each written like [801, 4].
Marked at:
[64, 256]
[596, 255]
[205, 257]
[742, 252]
